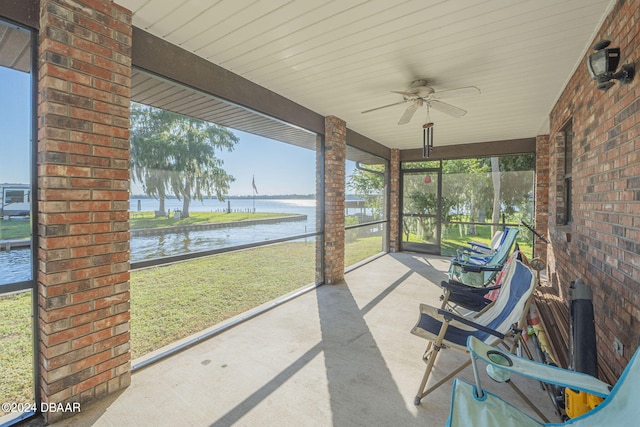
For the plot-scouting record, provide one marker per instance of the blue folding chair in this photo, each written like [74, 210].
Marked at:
[458, 295]
[480, 271]
[482, 249]
[472, 405]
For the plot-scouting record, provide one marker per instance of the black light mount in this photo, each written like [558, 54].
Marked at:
[603, 65]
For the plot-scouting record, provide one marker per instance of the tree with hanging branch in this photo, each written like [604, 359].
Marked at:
[176, 153]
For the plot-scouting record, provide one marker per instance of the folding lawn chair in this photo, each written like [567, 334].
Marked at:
[471, 405]
[501, 322]
[456, 294]
[477, 253]
[483, 249]
[479, 271]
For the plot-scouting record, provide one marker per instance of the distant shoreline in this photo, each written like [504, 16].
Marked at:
[257, 197]
[279, 197]
[135, 232]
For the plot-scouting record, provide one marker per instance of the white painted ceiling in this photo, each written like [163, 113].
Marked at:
[342, 57]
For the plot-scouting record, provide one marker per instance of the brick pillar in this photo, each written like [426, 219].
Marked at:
[542, 195]
[319, 274]
[335, 147]
[83, 200]
[394, 202]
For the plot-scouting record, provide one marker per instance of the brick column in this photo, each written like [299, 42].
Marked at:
[319, 274]
[394, 202]
[335, 147]
[542, 195]
[83, 200]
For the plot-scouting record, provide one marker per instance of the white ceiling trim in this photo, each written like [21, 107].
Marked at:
[344, 56]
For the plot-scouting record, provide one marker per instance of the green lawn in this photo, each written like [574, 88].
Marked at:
[15, 229]
[174, 301]
[361, 249]
[16, 356]
[142, 220]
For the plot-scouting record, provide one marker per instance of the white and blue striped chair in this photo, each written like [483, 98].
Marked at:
[500, 322]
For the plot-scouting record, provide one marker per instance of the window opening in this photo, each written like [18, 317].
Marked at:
[18, 379]
[568, 172]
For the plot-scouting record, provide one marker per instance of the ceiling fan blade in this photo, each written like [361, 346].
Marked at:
[410, 95]
[447, 108]
[461, 91]
[409, 112]
[384, 106]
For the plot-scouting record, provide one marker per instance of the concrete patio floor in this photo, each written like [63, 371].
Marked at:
[340, 355]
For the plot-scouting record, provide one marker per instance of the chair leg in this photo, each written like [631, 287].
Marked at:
[433, 348]
[528, 401]
[526, 349]
[445, 299]
[446, 305]
[427, 352]
[442, 381]
[519, 342]
[430, 361]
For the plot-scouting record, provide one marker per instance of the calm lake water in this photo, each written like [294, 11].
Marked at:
[146, 247]
[15, 265]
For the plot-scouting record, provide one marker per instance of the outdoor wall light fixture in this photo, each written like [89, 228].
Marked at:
[604, 63]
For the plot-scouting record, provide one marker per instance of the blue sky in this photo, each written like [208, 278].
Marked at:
[14, 126]
[278, 168]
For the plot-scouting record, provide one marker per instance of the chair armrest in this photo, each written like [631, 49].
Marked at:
[466, 256]
[452, 316]
[459, 287]
[539, 371]
[478, 247]
[474, 268]
[473, 243]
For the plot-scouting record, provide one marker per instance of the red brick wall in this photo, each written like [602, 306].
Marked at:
[335, 147]
[602, 245]
[394, 201]
[83, 199]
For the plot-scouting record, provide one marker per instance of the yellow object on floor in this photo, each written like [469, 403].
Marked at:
[578, 402]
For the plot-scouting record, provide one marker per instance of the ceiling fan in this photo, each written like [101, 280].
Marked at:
[420, 94]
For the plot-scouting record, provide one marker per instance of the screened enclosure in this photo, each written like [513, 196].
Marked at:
[448, 203]
[17, 254]
[224, 211]
[366, 210]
